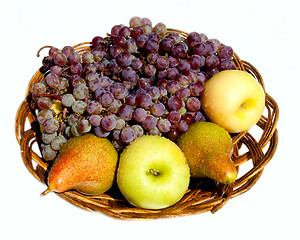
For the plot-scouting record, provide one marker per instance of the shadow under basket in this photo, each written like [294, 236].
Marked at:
[252, 152]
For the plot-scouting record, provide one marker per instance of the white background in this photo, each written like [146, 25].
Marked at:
[265, 33]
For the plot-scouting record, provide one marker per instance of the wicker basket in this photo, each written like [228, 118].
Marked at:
[256, 147]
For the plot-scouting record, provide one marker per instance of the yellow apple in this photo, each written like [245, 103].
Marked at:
[153, 172]
[233, 99]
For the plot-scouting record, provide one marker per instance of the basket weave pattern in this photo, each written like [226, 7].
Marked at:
[203, 194]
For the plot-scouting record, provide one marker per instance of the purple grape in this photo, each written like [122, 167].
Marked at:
[128, 74]
[53, 51]
[44, 102]
[119, 40]
[188, 118]
[173, 134]
[162, 63]
[114, 67]
[196, 89]
[183, 93]
[106, 98]
[136, 63]
[162, 83]
[172, 86]
[210, 47]
[52, 80]
[179, 50]
[125, 31]
[144, 99]
[95, 120]
[182, 126]
[164, 125]
[105, 82]
[174, 116]
[38, 89]
[76, 68]
[101, 132]
[60, 59]
[225, 52]
[146, 21]
[149, 123]
[167, 43]
[127, 135]
[150, 70]
[212, 61]
[193, 104]
[108, 123]
[51, 125]
[226, 65]
[87, 58]
[183, 66]
[158, 109]
[130, 45]
[141, 41]
[151, 46]
[193, 38]
[93, 107]
[131, 100]
[154, 92]
[116, 29]
[212, 71]
[183, 81]
[174, 103]
[199, 49]
[126, 112]
[118, 90]
[144, 83]
[139, 114]
[98, 42]
[124, 59]
[56, 70]
[197, 61]
[173, 62]
[74, 58]
[172, 73]
[136, 32]
[115, 50]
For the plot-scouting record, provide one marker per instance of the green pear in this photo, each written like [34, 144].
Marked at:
[208, 148]
[86, 164]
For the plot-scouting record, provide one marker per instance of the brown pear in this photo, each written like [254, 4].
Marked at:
[86, 164]
[208, 149]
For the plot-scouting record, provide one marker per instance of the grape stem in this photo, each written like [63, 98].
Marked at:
[38, 52]
[111, 35]
[64, 116]
[51, 95]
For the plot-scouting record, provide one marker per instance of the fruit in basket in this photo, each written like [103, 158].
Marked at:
[86, 164]
[208, 148]
[234, 100]
[153, 172]
[140, 79]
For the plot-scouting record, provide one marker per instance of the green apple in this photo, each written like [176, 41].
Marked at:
[233, 99]
[153, 172]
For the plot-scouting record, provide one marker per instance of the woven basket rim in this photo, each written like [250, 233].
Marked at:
[198, 199]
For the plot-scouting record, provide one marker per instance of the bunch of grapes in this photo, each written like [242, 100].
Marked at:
[137, 80]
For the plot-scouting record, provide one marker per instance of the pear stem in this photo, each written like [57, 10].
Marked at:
[46, 192]
[152, 171]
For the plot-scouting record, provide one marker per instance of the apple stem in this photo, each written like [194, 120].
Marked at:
[152, 171]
